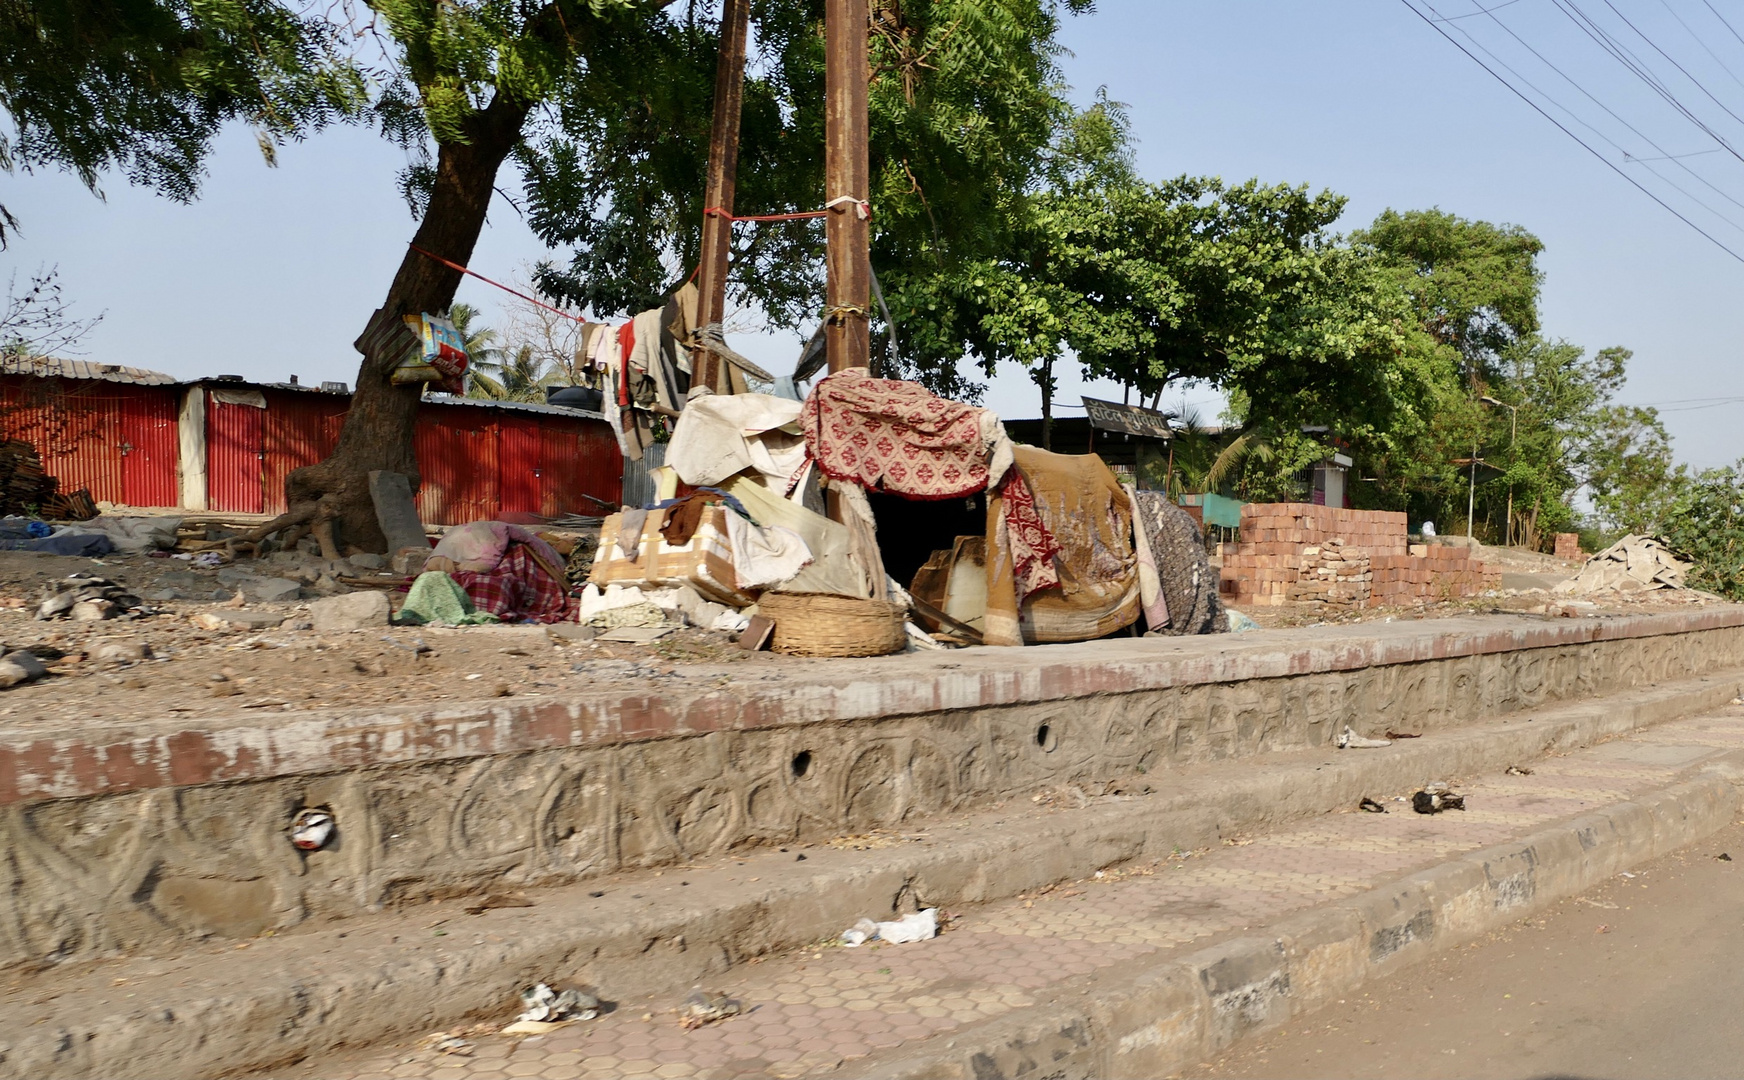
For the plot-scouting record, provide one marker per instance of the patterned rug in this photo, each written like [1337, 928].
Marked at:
[894, 436]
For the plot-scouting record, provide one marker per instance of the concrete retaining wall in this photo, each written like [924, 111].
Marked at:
[120, 837]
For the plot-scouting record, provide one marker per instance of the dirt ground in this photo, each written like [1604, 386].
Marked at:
[1639, 978]
[195, 671]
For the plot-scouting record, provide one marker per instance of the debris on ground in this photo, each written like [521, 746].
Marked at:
[545, 1005]
[497, 900]
[311, 829]
[1371, 806]
[1391, 734]
[920, 926]
[702, 1008]
[19, 667]
[1633, 564]
[1518, 770]
[444, 1043]
[1434, 802]
[87, 598]
[1350, 740]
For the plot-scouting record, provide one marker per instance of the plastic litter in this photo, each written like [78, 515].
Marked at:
[1371, 806]
[311, 829]
[1239, 623]
[704, 1008]
[547, 1006]
[920, 926]
[1350, 740]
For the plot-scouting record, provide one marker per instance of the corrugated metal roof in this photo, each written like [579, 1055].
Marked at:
[432, 399]
[54, 367]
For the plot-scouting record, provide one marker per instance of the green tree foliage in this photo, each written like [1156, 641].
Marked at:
[141, 87]
[1705, 524]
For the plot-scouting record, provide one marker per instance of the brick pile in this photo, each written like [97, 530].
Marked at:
[1568, 546]
[1302, 553]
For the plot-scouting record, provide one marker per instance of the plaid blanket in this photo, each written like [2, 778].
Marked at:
[520, 589]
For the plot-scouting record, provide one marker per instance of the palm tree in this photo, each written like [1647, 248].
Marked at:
[522, 377]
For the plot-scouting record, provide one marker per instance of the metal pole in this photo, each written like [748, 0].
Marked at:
[723, 173]
[1513, 434]
[1471, 493]
[847, 177]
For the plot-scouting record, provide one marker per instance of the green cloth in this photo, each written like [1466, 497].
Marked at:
[438, 598]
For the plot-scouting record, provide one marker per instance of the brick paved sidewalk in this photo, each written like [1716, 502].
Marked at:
[809, 1012]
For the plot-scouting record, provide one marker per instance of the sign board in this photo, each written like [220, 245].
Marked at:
[1131, 419]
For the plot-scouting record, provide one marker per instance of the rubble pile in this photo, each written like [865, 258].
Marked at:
[1634, 564]
[87, 598]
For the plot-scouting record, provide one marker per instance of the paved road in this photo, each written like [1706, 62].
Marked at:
[1641, 978]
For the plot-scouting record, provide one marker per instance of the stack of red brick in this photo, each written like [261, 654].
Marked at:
[1568, 546]
[1283, 547]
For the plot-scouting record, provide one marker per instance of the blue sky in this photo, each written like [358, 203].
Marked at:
[274, 271]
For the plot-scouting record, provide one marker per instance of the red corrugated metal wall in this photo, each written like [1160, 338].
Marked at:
[518, 453]
[234, 451]
[301, 429]
[116, 440]
[149, 449]
[580, 458]
[457, 458]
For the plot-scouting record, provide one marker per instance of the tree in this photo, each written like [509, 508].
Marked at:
[142, 87]
[38, 320]
[1705, 524]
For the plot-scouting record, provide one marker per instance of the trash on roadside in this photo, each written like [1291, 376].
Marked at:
[18, 667]
[547, 1006]
[1434, 802]
[311, 829]
[1519, 770]
[920, 926]
[444, 1043]
[1391, 734]
[1350, 740]
[1239, 623]
[704, 1008]
[86, 598]
[1371, 806]
[1724, 856]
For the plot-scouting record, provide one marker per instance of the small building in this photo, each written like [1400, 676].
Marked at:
[1133, 441]
[141, 438]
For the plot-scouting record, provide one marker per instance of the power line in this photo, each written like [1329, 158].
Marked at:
[1698, 40]
[1612, 113]
[1637, 67]
[1673, 61]
[1609, 164]
[1723, 21]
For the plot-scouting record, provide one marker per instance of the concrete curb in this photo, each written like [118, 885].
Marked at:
[1178, 1012]
[275, 998]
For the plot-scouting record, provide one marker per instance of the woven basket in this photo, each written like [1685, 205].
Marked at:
[814, 624]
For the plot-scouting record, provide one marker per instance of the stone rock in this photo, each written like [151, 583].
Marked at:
[271, 590]
[353, 611]
[170, 594]
[95, 610]
[367, 560]
[237, 619]
[409, 562]
[327, 585]
[395, 510]
[20, 667]
[299, 624]
[110, 652]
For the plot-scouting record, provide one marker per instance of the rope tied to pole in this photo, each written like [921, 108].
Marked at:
[861, 207]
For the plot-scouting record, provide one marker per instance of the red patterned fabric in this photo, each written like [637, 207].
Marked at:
[1033, 547]
[895, 436]
[520, 589]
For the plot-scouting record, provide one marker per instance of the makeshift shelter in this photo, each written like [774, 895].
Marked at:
[872, 488]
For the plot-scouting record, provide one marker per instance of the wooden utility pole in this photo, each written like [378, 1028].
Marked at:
[847, 180]
[723, 173]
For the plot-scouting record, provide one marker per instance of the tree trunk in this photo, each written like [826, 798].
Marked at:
[378, 428]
